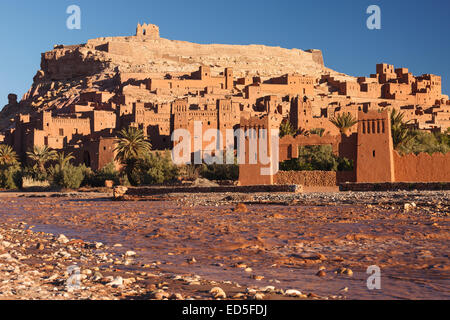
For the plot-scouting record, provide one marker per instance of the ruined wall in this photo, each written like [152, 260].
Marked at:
[147, 31]
[307, 178]
[422, 167]
[317, 56]
[120, 48]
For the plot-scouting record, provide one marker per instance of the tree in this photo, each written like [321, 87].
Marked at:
[131, 144]
[10, 171]
[286, 129]
[41, 156]
[63, 160]
[64, 174]
[7, 156]
[399, 128]
[344, 122]
[319, 158]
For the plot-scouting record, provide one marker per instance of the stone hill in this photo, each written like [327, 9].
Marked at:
[99, 63]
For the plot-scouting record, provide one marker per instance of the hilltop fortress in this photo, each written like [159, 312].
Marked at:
[84, 94]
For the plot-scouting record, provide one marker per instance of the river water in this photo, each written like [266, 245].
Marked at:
[278, 242]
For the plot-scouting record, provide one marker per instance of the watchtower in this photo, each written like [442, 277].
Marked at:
[375, 159]
[147, 31]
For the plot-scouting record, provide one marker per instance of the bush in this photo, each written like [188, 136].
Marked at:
[97, 179]
[423, 141]
[319, 158]
[34, 173]
[11, 177]
[191, 171]
[69, 176]
[221, 172]
[154, 168]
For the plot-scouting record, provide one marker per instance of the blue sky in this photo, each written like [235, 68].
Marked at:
[414, 34]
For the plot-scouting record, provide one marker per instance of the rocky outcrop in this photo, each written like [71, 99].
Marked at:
[9, 111]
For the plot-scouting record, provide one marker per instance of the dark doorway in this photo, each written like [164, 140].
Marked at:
[87, 159]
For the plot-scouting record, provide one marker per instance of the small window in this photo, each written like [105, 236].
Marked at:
[373, 153]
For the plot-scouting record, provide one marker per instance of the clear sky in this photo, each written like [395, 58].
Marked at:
[414, 34]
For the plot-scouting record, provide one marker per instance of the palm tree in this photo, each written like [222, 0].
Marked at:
[131, 144]
[41, 156]
[286, 129]
[400, 132]
[63, 159]
[318, 131]
[344, 122]
[397, 118]
[7, 156]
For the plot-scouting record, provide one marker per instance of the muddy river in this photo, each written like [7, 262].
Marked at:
[269, 244]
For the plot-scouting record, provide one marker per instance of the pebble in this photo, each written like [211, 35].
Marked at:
[409, 206]
[176, 296]
[267, 289]
[218, 293]
[240, 208]
[130, 253]
[258, 296]
[159, 295]
[62, 239]
[348, 272]
[191, 260]
[292, 293]
[321, 273]
[117, 282]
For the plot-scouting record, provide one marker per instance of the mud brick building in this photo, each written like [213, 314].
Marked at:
[85, 94]
[371, 149]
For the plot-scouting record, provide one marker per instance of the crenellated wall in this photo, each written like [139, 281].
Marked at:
[422, 167]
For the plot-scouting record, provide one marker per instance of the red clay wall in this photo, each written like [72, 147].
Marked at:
[422, 167]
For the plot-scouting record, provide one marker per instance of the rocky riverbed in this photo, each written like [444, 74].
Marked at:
[38, 265]
[216, 246]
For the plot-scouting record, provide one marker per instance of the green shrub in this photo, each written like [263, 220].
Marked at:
[98, 178]
[319, 158]
[35, 173]
[423, 141]
[319, 131]
[345, 164]
[220, 172]
[69, 176]
[11, 177]
[191, 171]
[286, 129]
[154, 168]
